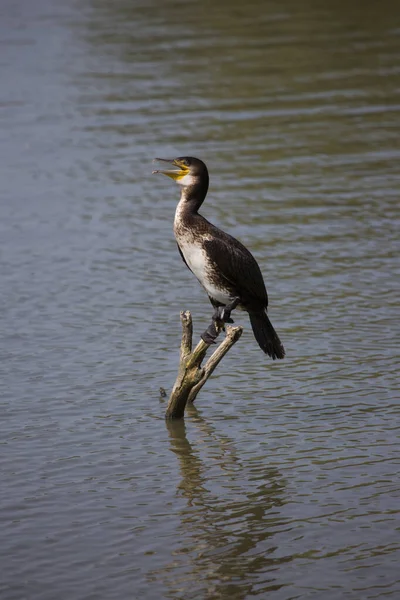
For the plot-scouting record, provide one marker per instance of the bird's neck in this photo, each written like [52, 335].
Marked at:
[192, 197]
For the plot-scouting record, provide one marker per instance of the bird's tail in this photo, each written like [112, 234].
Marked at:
[266, 335]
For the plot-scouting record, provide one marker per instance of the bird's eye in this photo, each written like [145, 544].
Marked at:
[185, 162]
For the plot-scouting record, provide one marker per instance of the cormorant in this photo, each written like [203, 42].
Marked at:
[224, 267]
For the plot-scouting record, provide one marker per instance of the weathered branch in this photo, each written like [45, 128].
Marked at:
[232, 336]
[191, 375]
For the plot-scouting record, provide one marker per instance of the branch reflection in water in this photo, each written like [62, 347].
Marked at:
[232, 514]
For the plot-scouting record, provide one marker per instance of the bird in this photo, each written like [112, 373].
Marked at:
[224, 267]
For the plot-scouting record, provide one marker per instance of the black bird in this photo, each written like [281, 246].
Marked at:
[224, 267]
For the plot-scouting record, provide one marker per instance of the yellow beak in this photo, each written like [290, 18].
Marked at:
[173, 173]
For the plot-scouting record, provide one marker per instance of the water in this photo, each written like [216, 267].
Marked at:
[283, 482]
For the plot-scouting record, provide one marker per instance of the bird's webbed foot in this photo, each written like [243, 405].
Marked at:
[222, 315]
[210, 334]
[217, 324]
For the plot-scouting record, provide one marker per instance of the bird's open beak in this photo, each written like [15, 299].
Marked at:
[173, 173]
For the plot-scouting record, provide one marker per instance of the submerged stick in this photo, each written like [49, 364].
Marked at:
[191, 375]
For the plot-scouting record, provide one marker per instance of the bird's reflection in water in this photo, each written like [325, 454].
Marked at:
[228, 524]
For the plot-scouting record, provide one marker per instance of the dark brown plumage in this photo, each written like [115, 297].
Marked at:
[225, 268]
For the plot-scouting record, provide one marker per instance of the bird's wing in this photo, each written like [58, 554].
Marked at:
[182, 257]
[238, 267]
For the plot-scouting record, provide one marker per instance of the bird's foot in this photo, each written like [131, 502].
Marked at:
[213, 330]
[210, 334]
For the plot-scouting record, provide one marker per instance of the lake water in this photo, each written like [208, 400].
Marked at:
[283, 482]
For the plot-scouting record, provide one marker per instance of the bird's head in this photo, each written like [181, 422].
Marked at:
[189, 171]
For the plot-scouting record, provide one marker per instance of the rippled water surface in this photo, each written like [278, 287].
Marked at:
[284, 481]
